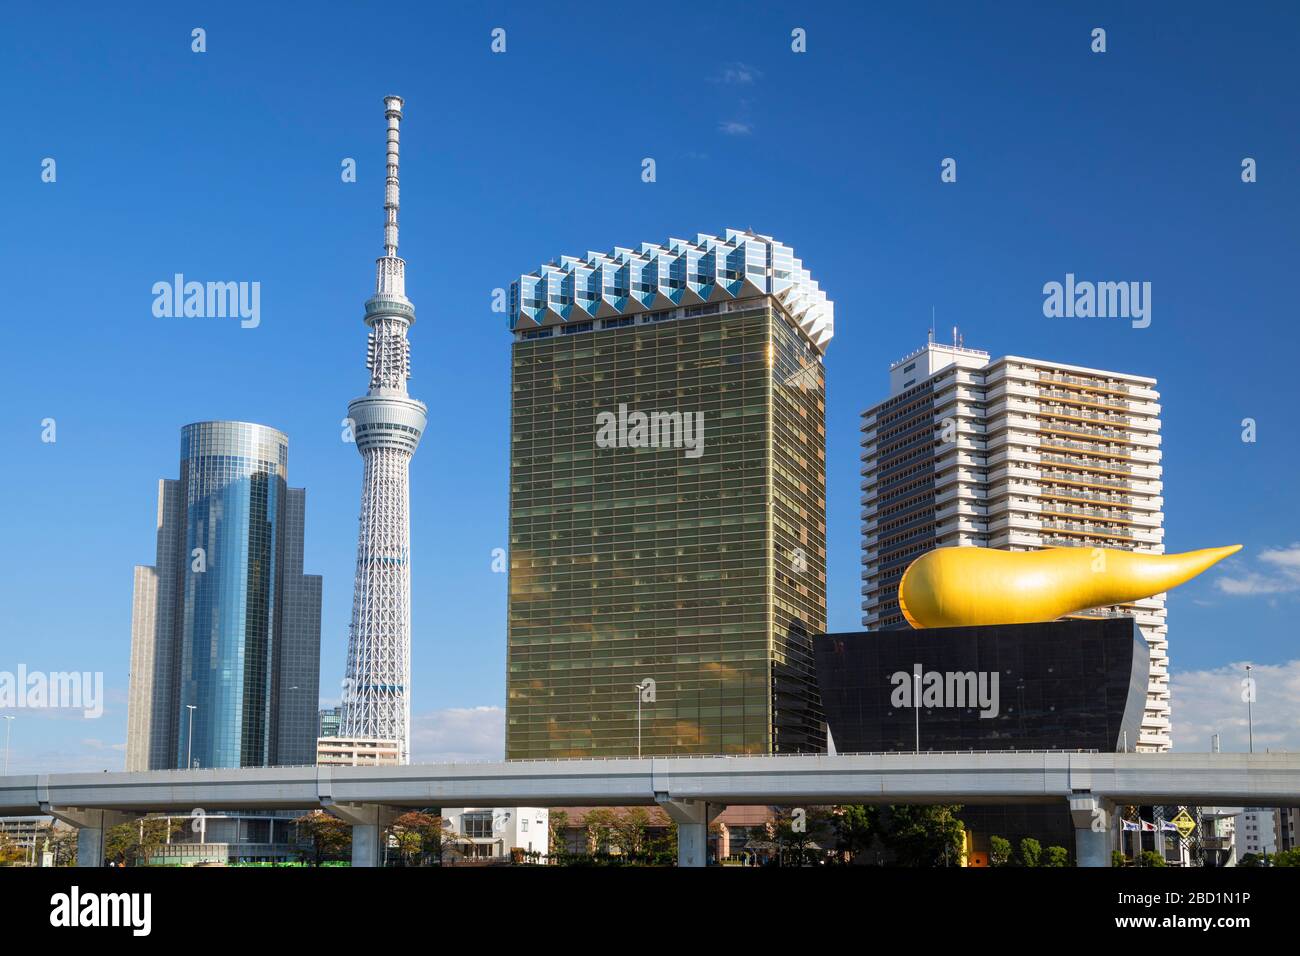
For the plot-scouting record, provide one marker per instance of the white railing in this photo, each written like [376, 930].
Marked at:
[458, 763]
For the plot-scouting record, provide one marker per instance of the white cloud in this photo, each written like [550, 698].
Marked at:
[1280, 575]
[1210, 701]
[459, 733]
[1286, 558]
[735, 128]
[738, 74]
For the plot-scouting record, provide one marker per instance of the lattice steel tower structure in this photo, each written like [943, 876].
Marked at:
[387, 424]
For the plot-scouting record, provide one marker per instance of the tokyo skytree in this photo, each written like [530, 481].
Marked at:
[387, 425]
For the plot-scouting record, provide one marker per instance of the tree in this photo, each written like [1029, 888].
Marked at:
[629, 830]
[662, 845]
[135, 843]
[1286, 858]
[557, 823]
[1056, 856]
[999, 851]
[10, 852]
[1118, 859]
[1031, 852]
[599, 824]
[1249, 859]
[855, 830]
[419, 837]
[63, 842]
[327, 837]
[802, 846]
[1150, 858]
[923, 835]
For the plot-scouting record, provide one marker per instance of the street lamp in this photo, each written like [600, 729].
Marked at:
[1020, 704]
[645, 690]
[8, 727]
[189, 747]
[638, 718]
[916, 704]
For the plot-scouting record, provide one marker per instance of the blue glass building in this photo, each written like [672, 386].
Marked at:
[226, 627]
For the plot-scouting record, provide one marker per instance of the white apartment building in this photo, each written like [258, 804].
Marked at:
[357, 751]
[1255, 831]
[1018, 454]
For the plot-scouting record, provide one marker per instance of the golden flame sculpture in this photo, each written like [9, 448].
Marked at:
[955, 587]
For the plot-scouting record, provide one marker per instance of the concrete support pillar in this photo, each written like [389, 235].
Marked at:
[90, 825]
[90, 846]
[692, 818]
[367, 848]
[1094, 828]
[368, 821]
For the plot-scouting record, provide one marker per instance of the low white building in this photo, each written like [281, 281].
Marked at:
[489, 833]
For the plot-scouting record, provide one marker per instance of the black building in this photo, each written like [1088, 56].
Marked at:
[1062, 685]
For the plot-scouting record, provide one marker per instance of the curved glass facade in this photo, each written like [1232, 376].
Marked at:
[233, 478]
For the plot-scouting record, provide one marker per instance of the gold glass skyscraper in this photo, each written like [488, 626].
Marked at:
[685, 546]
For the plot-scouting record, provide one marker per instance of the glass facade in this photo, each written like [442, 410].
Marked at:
[233, 476]
[702, 572]
[225, 620]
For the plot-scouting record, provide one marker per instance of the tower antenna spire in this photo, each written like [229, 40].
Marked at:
[392, 193]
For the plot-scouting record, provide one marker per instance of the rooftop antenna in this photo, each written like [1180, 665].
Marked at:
[393, 113]
[931, 338]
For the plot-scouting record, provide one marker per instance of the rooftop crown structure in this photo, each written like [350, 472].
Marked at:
[387, 425]
[627, 282]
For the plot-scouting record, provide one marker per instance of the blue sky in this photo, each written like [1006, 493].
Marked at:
[226, 166]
